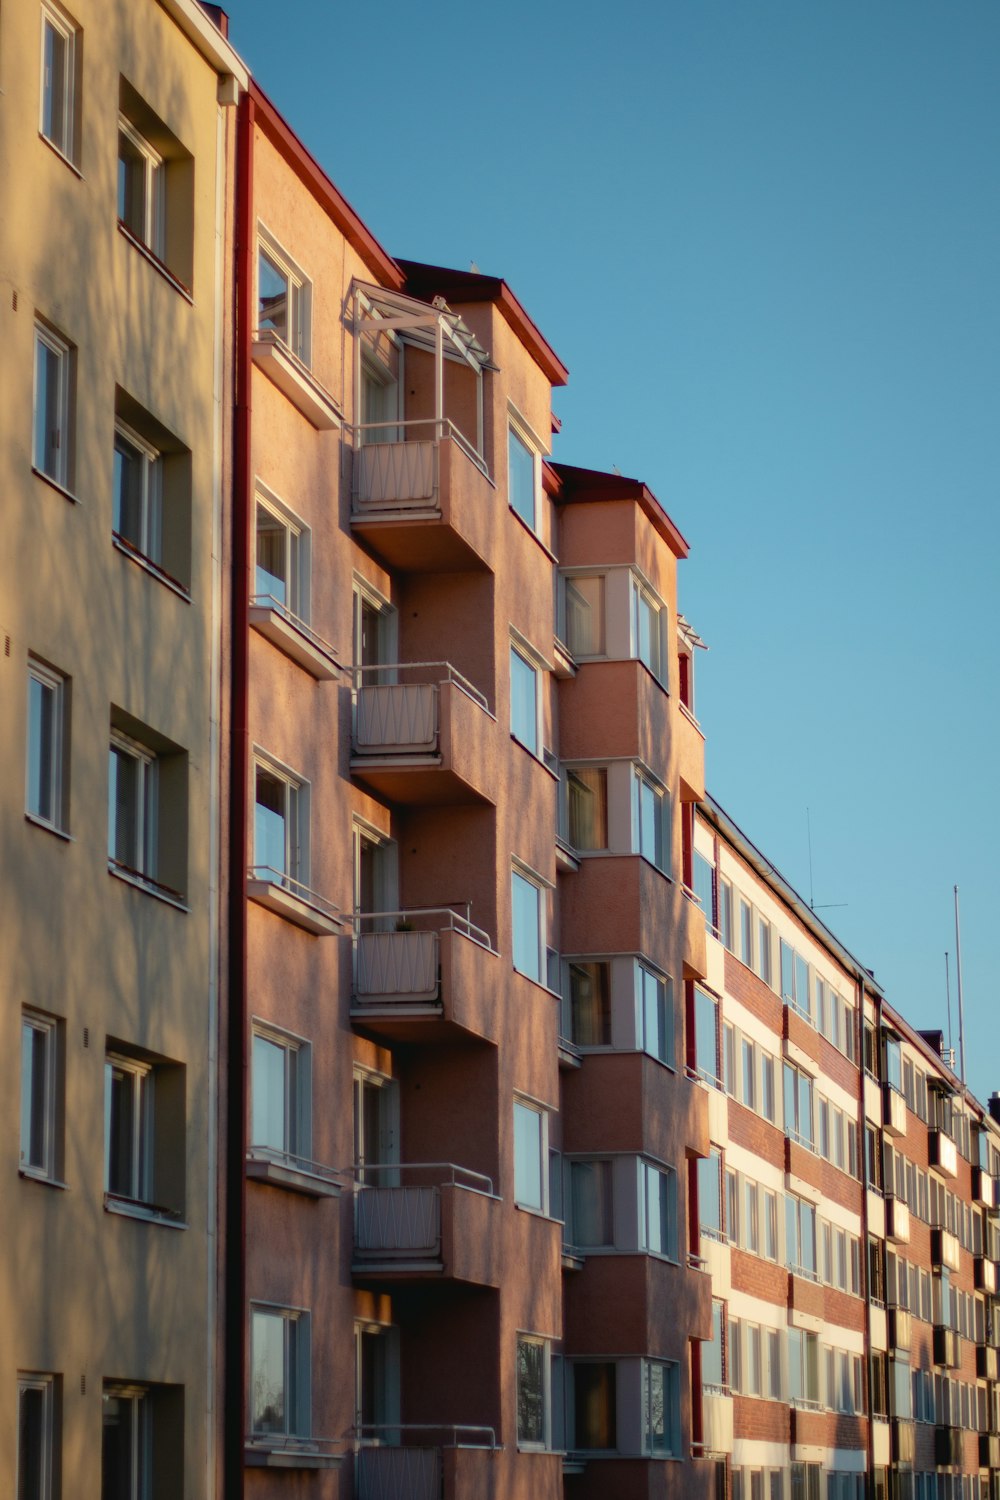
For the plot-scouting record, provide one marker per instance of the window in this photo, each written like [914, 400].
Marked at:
[528, 927]
[47, 705]
[37, 1421]
[748, 1051]
[654, 1014]
[533, 1392]
[281, 843]
[523, 701]
[376, 1133]
[592, 1219]
[703, 884]
[710, 1194]
[376, 1380]
[770, 1224]
[282, 560]
[764, 962]
[151, 493]
[803, 1366]
[587, 806]
[376, 878]
[646, 625]
[661, 1407]
[283, 298]
[650, 820]
[522, 481]
[585, 614]
[713, 1351]
[40, 1091]
[800, 1236]
[799, 1106]
[751, 1217]
[279, 1379]
[374, 634]
[59, 77]
[147, 808]
[144, 1133]
[725, 914]
[281, 1113]
[590, 1003]
[773, 1387]
[531, 1156]
[52, 441]
[746, 933]
[138, 494]
[141, 188]
[658, 1210]
[706, 1037]
[155, 187]
[594, 1405]
[795, 989]
[143, 1440]
[767, 1097]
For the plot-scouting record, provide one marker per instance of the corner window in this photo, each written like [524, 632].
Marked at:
[595, 1405]
[281, 850]
[713, 1352]
[706, 1037]
[47, 712]
[52, 439]
[522, 478]
[646, 628]
[283, 298]
[654, 1014]
[59, 75]
[41, 1061]
[37, 1428]
[143, 1440]
[709, 1172]
[703, 884]
[144, 1132]
[528, 927]
[534, 1404]
[147, 809]
[585, 614]
[658, 1210]
[524, 701]
[282, 560]
[650, 820]
[531, 1154]
[661, 1407]
[587, 807]
[590, 1003]
[279, 1372]
[280, 1094]
[591, 1203]
[155, 187]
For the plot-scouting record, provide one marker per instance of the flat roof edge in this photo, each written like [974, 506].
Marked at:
[207, 39]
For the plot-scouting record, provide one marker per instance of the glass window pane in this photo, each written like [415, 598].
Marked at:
[587, 798]
[528, 1156]
[123, 806]
[706, 1036]
[270, 822]
[267, 1395]
[594, 1405]
[710, 1194]
[527, 930]
[48, 410]
[120, 1126]
[54, 90]
[585, 616]
[590, 1003]
[128, 480]
[521, 478]
[523, 702]
[41, 748]
[272, 557]
[272, 298]
[271, 1106]
[132, 186]
[530, 1391]
[590, 1192]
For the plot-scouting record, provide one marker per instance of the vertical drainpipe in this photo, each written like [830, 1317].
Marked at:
[236, 1096]
[865, 1268]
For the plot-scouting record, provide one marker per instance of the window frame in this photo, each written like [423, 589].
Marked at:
[587, 808]
[643, 975]
[142, 1153]
[297, 550]
[648, 1170]
[519, 432]
[543, 1443]
[643, 595]
[47, 1169]
[296, 1088]
[57, 469]
[296, 1373]
[149, 543]
[531, 1107]
[530, 736]
[298, 297]
[152, 235]
[47, 1386]
[294, 871]
[146, 811]
[521, 872]
[54, 683]
[671, 1393]
[596, 610]
[59, 22]
[660, 832]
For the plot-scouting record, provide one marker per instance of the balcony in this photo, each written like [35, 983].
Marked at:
[948, 1447]
[893, 1111]
[942, 1153]
[717, 1421]
[271, 618]
[426, 740]
[904, 1441]
[425, 1219]
[423, 502]
[278, 892]
[947, 1347]
[426, 974]
[983, 1188]
[989, 1450]
[985, 1272]
[897, 1221]
[296, 1173]
[421, 1462]
[271, 1450]
[987, 1362]
[945, 1249]
[900, 1329]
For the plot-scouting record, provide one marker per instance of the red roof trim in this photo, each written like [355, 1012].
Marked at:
[311, 174]
[594, 484]
[471, 286]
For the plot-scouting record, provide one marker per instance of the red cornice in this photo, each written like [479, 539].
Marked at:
[333, 202]
[594, 484]
[457, 287]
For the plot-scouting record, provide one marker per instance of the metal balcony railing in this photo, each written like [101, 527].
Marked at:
[397, 464]
[399, 718]
[402, 1218]
[272, 876]
[404, 1461]
[397, 953]
[302, 1164]
[269, 601]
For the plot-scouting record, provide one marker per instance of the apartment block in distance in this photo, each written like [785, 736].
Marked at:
[115, 138]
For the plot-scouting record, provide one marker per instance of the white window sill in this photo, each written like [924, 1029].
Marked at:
[148, 1215]
[48, 827]
[297, 642]
[258, 1453]
[155, 261]
[149, 887]
[537, 1213]
[278, 899]
[56, 484]
[294, 1179]
[275, 360]
[35, 1174]
[58, 151]
[149, 566]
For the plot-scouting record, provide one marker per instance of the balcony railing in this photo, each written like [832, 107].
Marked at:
[273, 1450]
[299, 1173]
[399, 960]
[397, 464]
[402, 718]
[402, 1219]
[288, 897]
[274, 620]
[406, 1461]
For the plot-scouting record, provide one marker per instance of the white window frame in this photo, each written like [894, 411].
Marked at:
[57, 21]
[545, 1443]
[528, 735]
[527, 877]
[570, 581]
[671, 1408]
[384, 1152]
[296, 1373]
[45, 1386]
[152, 233]
[35, 1023]
[53, 683]
[660, 832]
[297, 1087]
[533, 1108]
[146, 809]
[149, 542]
[367, 596]
[518, 431]
[295, 867]
[56, 442]
[642, 594]
[298, 317]
[645, 975]
[141, 1187]
[297, 548]
[649, 1188]
[604, 1167]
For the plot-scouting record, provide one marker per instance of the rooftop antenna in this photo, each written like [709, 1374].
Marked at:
[958, 978]
[947, 990]
[826, 905]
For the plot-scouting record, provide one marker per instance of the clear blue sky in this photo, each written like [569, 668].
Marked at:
[765, 237]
